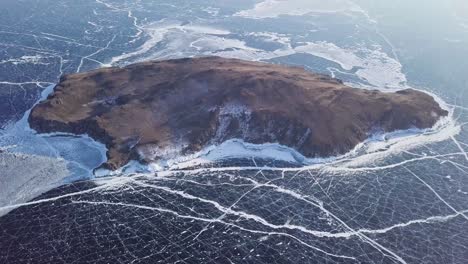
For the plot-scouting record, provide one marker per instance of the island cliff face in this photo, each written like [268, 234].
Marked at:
[159, 109]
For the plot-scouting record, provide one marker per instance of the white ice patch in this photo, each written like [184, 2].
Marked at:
[130, 168]
[381, 71]
[272, 37]
[37, 59]
[214, 11]
[156, 32]
[237, 148]
[275, 8]
[23, 177]
[329, 51]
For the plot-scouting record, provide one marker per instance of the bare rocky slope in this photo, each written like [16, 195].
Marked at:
[158, 109]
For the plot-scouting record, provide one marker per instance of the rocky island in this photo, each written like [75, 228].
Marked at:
[158, 109]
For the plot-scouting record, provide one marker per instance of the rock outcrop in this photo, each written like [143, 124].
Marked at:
[158, 109]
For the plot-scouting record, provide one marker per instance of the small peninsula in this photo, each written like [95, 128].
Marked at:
[160, 109]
